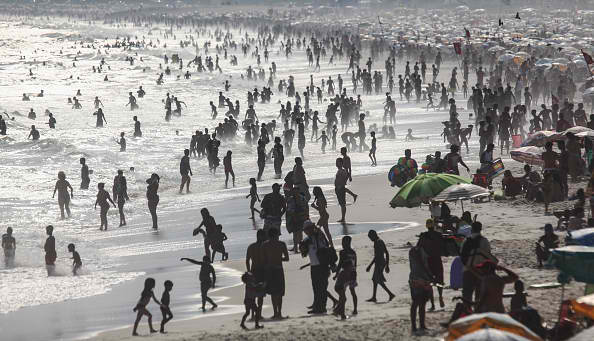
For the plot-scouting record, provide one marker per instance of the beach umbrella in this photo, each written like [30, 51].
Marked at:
[530, 155]
[423, 188]
[506, 58]
[475, 322]
[583, 237]
[589, 133]
[577, 130]
[462, 192]
[540, 138]
[576, 261]
[490, 334]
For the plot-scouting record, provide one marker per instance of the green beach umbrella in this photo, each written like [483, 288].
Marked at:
[424, 187]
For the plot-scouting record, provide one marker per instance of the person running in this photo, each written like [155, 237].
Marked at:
[184, 169]
[120, 194]
[227, 165]
[165, 310]
[380, 262]
[206, 272]
[140, 308]
[103, 199]
[76, 261]
[275, 253]
[63, 198]
[254, 196]
[9, 247]
[50, 250]
[152, 197]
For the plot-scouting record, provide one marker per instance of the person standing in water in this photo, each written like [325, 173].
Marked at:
[76, 261]
[346, 164]
[9, 247]
[103, 199]
[153, 197]
[84, 174]
[184, 169]
[340, 181]
[137, 131]
[100, 118]
[63, 198]
[228, 168]
[50, 250]
[120, 194]
[279, 157]
[122, 142]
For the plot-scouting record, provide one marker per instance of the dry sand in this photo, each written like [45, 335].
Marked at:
[512, 226]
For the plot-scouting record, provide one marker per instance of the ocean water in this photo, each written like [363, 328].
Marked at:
[29, 169]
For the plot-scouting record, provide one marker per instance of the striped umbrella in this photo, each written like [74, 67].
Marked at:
[530, 155]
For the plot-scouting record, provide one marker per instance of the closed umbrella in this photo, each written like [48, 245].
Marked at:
[530, 155]
[475, 322]
[423, 188]
[490, 334]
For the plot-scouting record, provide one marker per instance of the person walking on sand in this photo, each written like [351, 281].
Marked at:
[419, 281]
[320, 270]
[275, 253]
[63, 198]
[475, 250]
[346, 164]
[340, 181]
[184, 169]
[140, 308]
[206, 271]
[381, 260]
[152, 197]
[255, 263]
[432, 244]
[165, 310]
[103, 199]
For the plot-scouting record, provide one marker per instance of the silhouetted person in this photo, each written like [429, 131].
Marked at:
[152, 197]
[62, 186]
[140, 308]
[103, 199]
[50, 250]
[206, 271]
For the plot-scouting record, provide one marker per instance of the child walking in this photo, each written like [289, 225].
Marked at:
[206, 270]
[217, 244]
[347, 262]
[254, 195]
[76, 261]
[252, 290]
[140, 308]
[165, 311]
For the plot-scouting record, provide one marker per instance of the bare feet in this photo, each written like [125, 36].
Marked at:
[373, 299]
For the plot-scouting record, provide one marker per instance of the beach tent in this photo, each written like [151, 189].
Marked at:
[475, 322]
[490, 334]
[576, 261]
[423, 188]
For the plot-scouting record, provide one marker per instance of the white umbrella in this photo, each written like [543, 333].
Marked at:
[576, 130]
[491, 334]
[461, 192]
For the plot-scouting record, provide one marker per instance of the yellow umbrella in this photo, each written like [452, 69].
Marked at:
[504, 322]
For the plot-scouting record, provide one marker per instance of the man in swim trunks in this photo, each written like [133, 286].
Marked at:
[276, 253]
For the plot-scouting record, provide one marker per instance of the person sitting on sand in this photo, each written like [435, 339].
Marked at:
[140, 308]
[545, 243]
[511, 186]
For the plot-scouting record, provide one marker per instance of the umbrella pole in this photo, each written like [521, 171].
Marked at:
[560, 311]
[462, 203]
